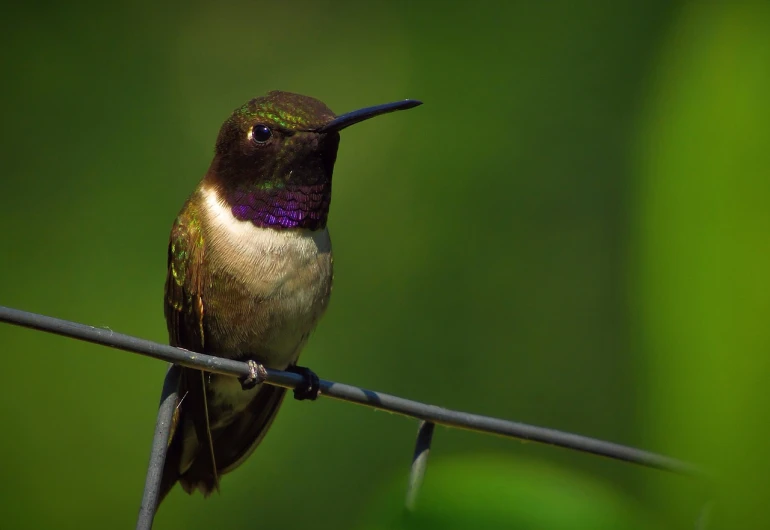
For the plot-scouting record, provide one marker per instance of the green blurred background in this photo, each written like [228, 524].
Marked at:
[572, 231]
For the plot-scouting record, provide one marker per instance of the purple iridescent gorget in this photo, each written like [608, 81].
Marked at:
[302, 206]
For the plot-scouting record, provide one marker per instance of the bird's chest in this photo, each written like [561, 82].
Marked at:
[265, 289]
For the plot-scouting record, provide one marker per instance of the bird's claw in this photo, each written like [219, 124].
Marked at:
[310, 387]
[257, 375]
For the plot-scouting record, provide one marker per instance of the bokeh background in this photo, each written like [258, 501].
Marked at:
[573, 231]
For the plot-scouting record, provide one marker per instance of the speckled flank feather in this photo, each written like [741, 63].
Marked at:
[184, 308]
[184, 317]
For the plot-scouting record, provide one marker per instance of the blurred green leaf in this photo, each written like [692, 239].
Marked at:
[704, 232]
[493, 492]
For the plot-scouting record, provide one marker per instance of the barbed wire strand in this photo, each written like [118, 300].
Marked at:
[341, 391]
[168, 401]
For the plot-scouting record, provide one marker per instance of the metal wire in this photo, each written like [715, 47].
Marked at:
[430, 414]
[419, 463]
[353, 394]
[168, 400]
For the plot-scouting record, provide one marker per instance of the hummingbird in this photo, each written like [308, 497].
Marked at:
[250, 275]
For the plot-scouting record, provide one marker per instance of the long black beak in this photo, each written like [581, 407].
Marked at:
[351, 118]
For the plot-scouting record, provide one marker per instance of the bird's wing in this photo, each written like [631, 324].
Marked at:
[185, 310]
[184, 285]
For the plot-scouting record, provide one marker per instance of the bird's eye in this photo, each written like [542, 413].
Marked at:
[261, 133]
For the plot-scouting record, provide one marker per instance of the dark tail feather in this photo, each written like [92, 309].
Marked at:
[191, 427]
[231, 445]
[234, 443]
[204, 459]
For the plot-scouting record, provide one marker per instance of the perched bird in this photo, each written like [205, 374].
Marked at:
[250, 274]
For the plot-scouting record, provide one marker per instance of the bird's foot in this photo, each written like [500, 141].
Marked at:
[310, 388]
[257, 375]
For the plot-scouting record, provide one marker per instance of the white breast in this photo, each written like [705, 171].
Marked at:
[277, 280]
[274, 258]
[255, 245]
